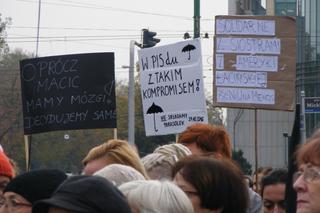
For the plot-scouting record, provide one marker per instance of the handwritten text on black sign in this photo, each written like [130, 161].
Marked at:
[68, 92]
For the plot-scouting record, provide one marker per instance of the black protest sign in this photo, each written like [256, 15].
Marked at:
[68, 92]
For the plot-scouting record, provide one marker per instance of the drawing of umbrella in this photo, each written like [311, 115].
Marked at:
[153, 110]
[188, 48]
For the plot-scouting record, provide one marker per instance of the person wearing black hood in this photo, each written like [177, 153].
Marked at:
[84, 194]
[24, 190]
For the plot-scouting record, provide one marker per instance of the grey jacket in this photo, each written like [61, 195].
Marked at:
[255, 204]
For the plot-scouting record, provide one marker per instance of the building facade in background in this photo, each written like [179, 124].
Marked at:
[274, 127]
[308, 58]
[308, 50]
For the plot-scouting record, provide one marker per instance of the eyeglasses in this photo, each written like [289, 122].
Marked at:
[309, 174]
[3, 185]
[13, 204]
[268, 204]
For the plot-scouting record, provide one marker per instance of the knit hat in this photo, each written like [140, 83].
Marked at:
[37, 184]
[169, 154]
[6, 168]
[177, 149]
[85, 194]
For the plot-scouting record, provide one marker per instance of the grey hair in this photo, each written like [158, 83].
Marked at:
[119, 174]
[159, 163]
[152, 196]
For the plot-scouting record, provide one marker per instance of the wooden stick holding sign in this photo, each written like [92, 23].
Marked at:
[256, 144]
[27, 145]
[115, 133]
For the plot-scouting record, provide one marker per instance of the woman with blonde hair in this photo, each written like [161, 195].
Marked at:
[112, 152]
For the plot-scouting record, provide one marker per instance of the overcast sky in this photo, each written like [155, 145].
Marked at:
[78, 26]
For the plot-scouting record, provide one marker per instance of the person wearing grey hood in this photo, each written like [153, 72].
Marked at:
[255, 204]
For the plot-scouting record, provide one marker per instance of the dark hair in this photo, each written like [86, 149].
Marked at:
[263, 170]
[219, 183]
[276, 176]
[208, 138]
[250, 182]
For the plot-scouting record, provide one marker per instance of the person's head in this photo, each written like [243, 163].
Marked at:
[6, 171]
[153, 196]
[212, 185]
[159, 163]
[205, 138]
[316, 134]
[257, 176]
[174, 149]
[273, 188]
[119, 174]
[307, 179]
[113, 151]
[26, 189]
[248, 180]
[85, 194]
[157, 166]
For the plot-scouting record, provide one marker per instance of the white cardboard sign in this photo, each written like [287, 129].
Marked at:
[254, 62]
[245, 95]
[241, 79]
[172, 87]
[245, 27]
[257, 63]
[248, 45]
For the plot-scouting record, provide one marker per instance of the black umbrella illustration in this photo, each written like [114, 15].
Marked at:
[153, 110]
[188, 48]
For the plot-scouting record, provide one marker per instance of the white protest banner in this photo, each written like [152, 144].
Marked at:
[245, 27]
[248, 45]
[245, 95]
[241, 79]
[257, 63]
[172, 87]
[219, 61]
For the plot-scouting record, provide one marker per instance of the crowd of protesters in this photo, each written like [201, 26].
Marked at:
[194, 175]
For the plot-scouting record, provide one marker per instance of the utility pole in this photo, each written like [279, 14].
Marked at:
[28, 138]
[131, 107]
[196, 18]
[148, 40]
[38, 28]
[303, 125]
